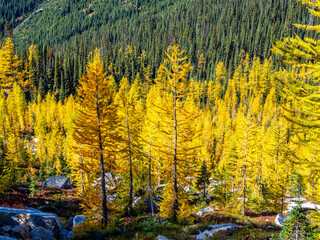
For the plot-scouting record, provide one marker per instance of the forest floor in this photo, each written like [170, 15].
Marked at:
[66, 204]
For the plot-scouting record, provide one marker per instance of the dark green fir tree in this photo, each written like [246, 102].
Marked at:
[297, 226]
[203, 179]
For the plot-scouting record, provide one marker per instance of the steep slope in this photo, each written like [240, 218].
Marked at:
[16, 11]
[217, 28]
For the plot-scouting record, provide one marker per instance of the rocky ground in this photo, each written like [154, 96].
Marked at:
[52, 213]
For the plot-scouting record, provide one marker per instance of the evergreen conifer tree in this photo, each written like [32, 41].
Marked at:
[203, 178]
[297, 226]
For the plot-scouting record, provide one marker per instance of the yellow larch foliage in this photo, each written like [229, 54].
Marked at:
[97, 136]
[128, 99]
[150, 140]
[10, 67]
[175, 126]
[246, 149]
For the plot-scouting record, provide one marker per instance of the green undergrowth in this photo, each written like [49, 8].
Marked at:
[148, 228]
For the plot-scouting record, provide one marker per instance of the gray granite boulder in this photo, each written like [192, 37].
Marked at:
[78, 220]
[160, 237]
[30, 218]
[305, 205]
[58, 182]
[203, 211]
[204, 235]
[110, 181]
[223, 227]
[279, 221]
[226, 228]
[20, 232]
[41, 233]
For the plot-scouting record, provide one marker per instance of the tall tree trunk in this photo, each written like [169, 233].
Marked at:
[260, 180]
[175, 181]
[282, 199]
[159, 179]
[102, 171]
[312, 185]
[103, 189]
[278, 150]
[244, 191]
[81, 174]
[130, 170]
[150, 186]
[244, 176]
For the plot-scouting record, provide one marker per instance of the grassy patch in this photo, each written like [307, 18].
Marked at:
[148, 228]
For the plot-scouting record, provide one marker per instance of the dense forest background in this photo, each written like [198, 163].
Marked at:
[210, 31]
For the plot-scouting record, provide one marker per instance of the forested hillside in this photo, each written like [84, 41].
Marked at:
[14, 12]
[210, 31]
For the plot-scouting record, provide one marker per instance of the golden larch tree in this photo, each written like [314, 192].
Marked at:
[175, 127]
[10, 67]
[96, 131]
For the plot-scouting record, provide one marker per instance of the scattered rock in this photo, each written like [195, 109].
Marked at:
[58, 182]
[203, 211]
[78, 220]
[305, 205]
[204, 235]
[51, 224]
[50, 209]
[110, 181]
[41, 233]
[279, 220]
[223, 227]
[298, 199]
[160, 237]
[70, 223]
[186, 188]
[20, 231]
[226, 228]
[31, 219]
